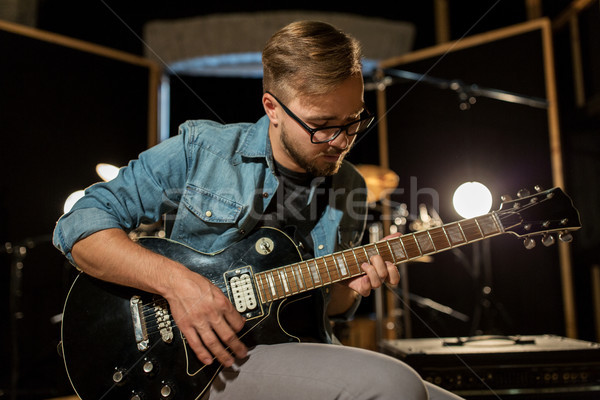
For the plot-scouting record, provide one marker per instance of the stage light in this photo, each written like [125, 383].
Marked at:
[107, 171]
[472, 199]
[72, 199]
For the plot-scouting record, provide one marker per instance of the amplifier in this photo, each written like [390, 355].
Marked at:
[516, 367]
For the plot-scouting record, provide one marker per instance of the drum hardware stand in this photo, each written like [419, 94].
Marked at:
[18, 252]
[484, 322]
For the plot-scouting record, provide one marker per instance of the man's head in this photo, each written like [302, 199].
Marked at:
[309, 58]
[312, 84]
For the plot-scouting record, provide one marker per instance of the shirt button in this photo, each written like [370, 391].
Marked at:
[242, 231]
[265, 195]
[208, 213]
[321, 247]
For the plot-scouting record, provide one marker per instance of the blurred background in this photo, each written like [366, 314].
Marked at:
[506, 93]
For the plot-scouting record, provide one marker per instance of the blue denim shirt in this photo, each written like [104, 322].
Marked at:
[218, 179]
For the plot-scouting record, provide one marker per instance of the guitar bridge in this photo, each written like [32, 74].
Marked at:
[242, 292]
[139, 324]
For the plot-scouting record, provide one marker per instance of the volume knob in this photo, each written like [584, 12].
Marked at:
[166, 391]
[119, 376]
[148, 367]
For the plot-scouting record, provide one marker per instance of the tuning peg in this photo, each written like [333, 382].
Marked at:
[529, 243]
[523, 193]
[505, 197]
[565, 237]
[538, 188]
[548, 240]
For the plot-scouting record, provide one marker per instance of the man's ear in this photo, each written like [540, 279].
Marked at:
[270, 106]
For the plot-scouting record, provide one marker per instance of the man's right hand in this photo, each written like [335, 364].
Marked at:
[206, 317]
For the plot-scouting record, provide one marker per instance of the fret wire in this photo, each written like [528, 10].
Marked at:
[404, 247]
[441, 232]
[262, 286]
[479, 227]
[414, 245]
[391, 252]
[382, 251]
[315, 273]
[417, 242]
[268, 287]
[462, 232]
[447, 237]
[299, 284]
[295, 281]
[355, 259]
[285, 281]
[310, 275]
[376, 248]
[366, 254]
[432, 243]
[431, 234]
[299, 272]
[335, 263]
[272, 285]
[278, 286]
[327, 268]
[346, 266]
[496, 220]
[302, 275]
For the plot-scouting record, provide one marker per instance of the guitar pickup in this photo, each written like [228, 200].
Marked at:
[242, 292]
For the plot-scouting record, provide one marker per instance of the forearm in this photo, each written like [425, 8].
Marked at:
[112, 256]
[342, 299]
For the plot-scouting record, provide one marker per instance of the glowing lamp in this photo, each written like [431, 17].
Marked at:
[107, 171]
[472, 199]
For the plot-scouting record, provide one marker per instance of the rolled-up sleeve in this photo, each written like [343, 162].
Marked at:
[144, 190]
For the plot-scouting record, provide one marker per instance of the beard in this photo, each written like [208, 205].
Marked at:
[310, 162]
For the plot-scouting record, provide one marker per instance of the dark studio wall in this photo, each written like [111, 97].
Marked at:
[63, 110]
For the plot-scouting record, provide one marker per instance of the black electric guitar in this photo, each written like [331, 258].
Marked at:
[122, 343]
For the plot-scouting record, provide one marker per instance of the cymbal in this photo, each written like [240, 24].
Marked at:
[378, 180]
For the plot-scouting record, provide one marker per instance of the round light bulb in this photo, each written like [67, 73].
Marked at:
[472, 199]
[72, 199]
[107, 171]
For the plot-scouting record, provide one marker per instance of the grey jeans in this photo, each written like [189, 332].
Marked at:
[307, 371]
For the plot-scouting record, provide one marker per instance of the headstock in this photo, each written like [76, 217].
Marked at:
[546, 213]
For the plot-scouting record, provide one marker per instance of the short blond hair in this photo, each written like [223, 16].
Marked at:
[309, 58]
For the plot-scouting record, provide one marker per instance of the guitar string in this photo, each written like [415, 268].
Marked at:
[411, 248]
[435, 233]
[469, 227]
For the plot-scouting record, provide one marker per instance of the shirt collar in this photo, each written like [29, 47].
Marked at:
[256, 142]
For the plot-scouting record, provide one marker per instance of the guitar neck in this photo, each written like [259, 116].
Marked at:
[306, 275]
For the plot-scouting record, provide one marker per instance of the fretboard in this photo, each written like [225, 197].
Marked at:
[306, 275]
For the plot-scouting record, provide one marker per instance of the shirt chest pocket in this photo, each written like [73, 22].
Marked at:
[208, 221]
[211, 207]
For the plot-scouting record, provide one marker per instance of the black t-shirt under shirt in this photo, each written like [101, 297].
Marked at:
[295, 209]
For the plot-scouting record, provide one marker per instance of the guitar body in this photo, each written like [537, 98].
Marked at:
[120, 342]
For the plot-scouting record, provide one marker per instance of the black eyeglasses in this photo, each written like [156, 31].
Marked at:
[329, 133]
